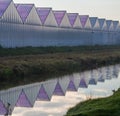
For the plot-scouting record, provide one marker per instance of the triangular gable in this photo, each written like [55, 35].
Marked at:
[49, 87]
[109, 24]
[76, 78]
[59, 15]
[94, 23]
[24, 10]
[50, 20]
[43, 13]
[32, 91]
[33, 17]
[83, 84]
[92, 81]
[42, 95]
[71, 86]
[11, 14]
[10, 97]
[3, 110]
[115, 25]
[58, 90]
[64, 82]
[3, 6]
[83, 19]
[72, 18]
[23, 100]
[102, 23]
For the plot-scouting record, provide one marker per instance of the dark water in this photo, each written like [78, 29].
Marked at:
[89, 84]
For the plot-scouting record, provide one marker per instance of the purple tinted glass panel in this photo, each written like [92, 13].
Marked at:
[23, 101]
[3, 110]
[42, 95]
[43, 13]
[58, 90]
[71, 86]
[24, 10]
[92, 81]
[59, 16]
[83, 84]
[83, 19]
[72, 18]
[3, 6]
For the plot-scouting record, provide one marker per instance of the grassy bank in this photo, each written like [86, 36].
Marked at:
[109, 106]
[46, 50]
[27, 65]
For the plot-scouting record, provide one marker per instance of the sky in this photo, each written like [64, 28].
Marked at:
[108, 9]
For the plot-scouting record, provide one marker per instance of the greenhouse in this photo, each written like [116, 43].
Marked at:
[28, 25]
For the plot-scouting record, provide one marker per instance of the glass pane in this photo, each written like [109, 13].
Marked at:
[71, 86]
[43, 13]
[3, 110]
[3, 6]
[24, 10]
[59, 16]
[72, 17]
[58, 90]
[23, 100]
[83, 19]
[42, 95]
[83, 84]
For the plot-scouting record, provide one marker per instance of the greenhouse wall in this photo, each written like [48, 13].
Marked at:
[24, 25]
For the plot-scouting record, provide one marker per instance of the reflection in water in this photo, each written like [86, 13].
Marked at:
[55, 97]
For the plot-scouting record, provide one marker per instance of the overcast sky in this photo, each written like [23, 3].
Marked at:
[109, 9]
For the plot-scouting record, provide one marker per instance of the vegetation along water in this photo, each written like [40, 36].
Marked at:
[19, 66]
[109, 106]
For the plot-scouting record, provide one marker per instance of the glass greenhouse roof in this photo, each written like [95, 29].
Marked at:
[59, 16]
[3, 6]
[83, 19]
[23, 101]
[58, 90]
[42, 95]
[101, 22]
[43, 13]
[93, 21]
[3, 110]
[71, 86]
[72, 17]
[92, 81]
[82, 84]
[108, 22]
[24, 10]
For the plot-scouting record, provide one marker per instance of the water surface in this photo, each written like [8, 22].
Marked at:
[89, 84]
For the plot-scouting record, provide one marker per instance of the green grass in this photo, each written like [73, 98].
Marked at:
[109, 106]
[46, 50]
[21, 66]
